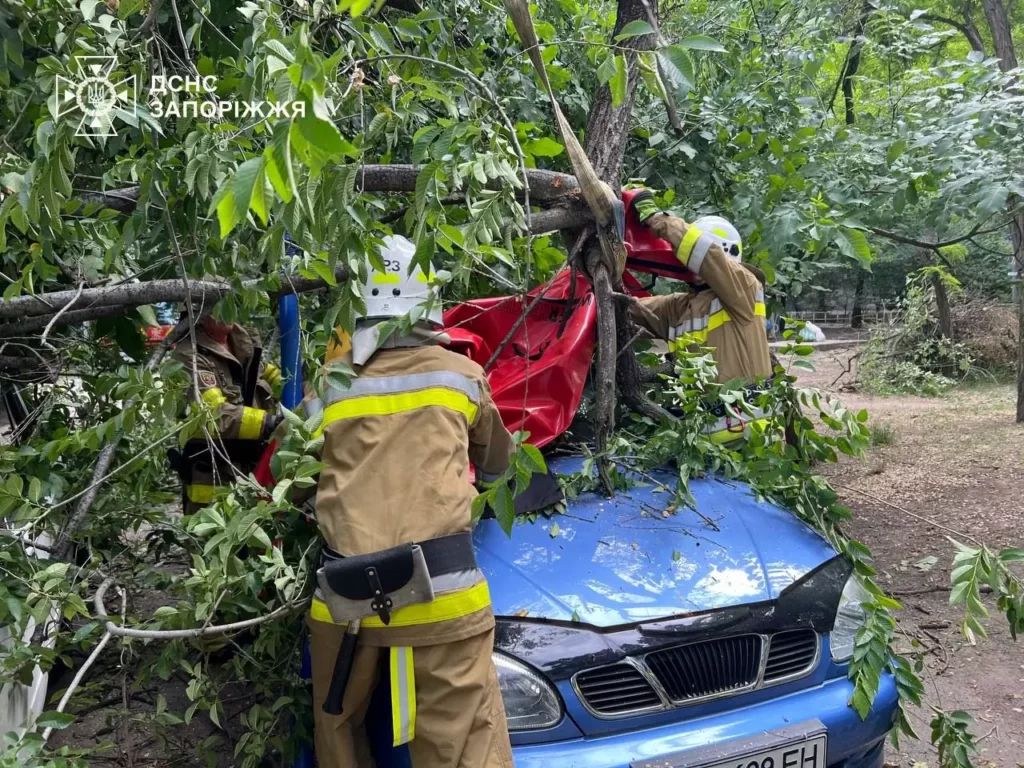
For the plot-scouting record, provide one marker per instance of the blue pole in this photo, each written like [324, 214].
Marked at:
[291, 368]
[291, 372]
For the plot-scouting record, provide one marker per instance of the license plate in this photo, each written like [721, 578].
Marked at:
[799, 745]
[807, 754]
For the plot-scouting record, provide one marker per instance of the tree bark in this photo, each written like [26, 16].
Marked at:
[942, 305]
[1020, 345]
[606, 136]
[853, 62]
[849, 72]
[1002, 34]
[1002, 39]
[857, 313]
[607, 125]
[138, 294]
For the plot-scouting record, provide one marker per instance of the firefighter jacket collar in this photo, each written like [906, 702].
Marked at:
[366, 340]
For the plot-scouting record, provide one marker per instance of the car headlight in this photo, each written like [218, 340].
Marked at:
[849, 619]
[530, 701]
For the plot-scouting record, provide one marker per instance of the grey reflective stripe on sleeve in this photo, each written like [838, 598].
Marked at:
[688, 326]
[716, 306]
[700, 250]
[393, 385]
[759, 295]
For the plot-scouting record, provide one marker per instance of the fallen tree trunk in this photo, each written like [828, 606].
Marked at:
[139, 294]
[545, 186]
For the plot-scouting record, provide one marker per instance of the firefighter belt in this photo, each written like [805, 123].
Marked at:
[369, 588]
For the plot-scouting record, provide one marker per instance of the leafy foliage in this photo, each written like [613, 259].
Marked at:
[954, 741]
[910, 353]
[935, 146]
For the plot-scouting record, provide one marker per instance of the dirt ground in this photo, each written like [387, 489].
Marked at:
[958, 461]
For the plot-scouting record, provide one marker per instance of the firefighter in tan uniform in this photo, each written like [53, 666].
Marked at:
[725, 312]
[239, 388]
[399, 592]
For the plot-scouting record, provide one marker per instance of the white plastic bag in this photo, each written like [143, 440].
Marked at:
[811, 332]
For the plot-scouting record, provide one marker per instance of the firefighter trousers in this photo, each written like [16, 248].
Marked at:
[457, 715]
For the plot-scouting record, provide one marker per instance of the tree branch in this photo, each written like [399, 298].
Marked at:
[152, 292]
[545, 186]
[968, 30]
[974, 232]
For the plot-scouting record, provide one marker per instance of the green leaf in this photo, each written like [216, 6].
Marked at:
[325, 271]
[543, 147]
[911, 192]
[84, 631]
[247, 178]
[278, 48]
[618, 82]
[56, 720]
[148, 315]
[554, 530]
[1012, 555]
[606, 69]
[504, 508]
[895, 151]
[535, 458]
[854, 244]
[677, 67]
[701, 43]
[635, 29]
[224, 204]
[676, 556]
[993, 198]
[317, 128]
[278, 160]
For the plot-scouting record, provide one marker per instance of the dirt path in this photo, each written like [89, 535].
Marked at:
[959, 461]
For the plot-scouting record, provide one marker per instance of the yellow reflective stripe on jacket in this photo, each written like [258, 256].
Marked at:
[388, 405]
[214, 396]
[389, 395]
[403, 696]
[445, 607]
[272, 374]
[198, 493]
[695, 331]
[693, 248]
[728, 435]
[251, 425]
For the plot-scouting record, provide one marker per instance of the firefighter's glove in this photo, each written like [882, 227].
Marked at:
[625, 299]
[667, 227]
[274, 428]
[644, 205]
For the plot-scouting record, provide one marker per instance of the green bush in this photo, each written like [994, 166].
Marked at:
[911, 354]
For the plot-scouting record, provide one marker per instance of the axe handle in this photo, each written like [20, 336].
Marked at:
[342, 670]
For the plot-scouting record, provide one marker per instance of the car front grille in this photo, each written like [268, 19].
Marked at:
[614, 690]
[685, 674]
[711, 668]
[790, 653]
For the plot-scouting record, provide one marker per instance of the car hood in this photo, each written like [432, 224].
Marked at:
[611, 562]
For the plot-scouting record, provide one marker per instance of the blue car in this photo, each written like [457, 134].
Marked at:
[629, 639]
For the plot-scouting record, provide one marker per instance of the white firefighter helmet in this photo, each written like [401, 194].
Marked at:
[396, 291]
[724, 233]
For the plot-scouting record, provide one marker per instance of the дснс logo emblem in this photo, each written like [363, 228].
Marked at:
[95, 96]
